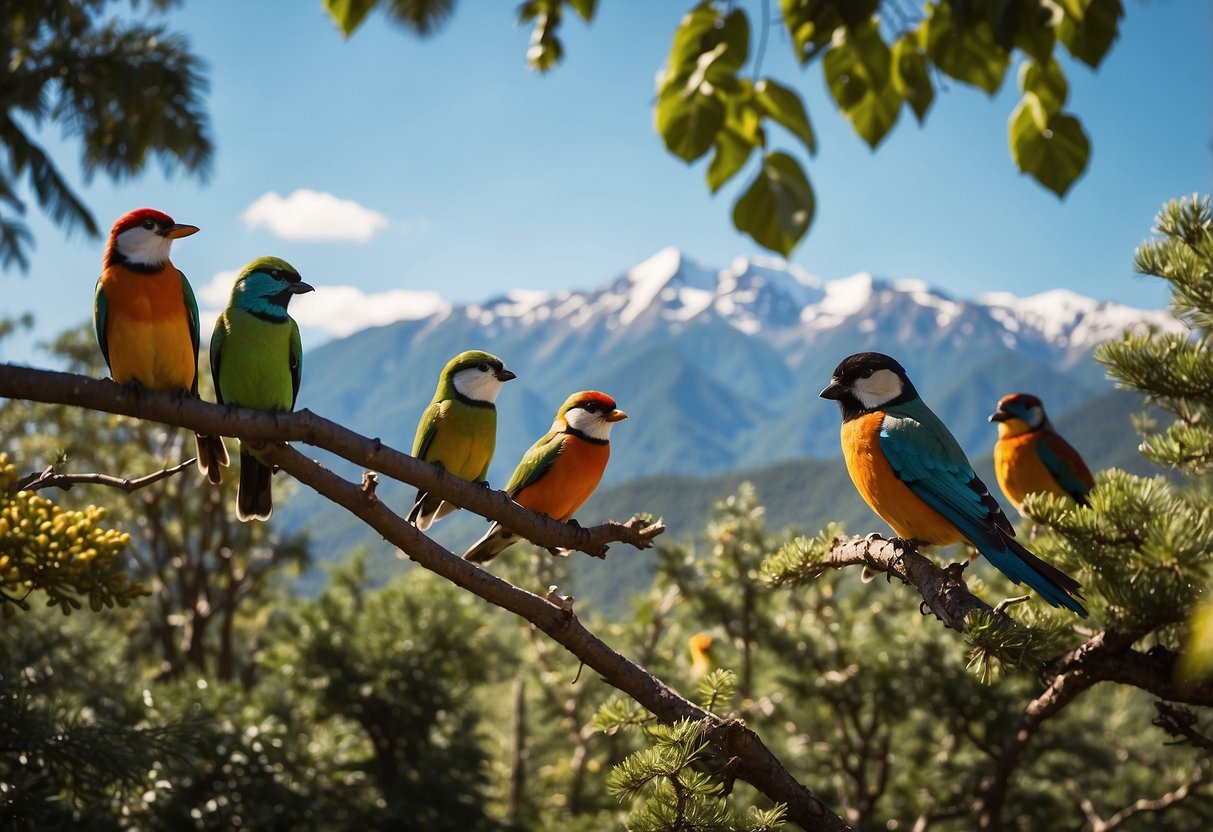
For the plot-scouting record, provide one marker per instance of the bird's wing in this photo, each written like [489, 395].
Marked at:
[1065, 465]
[217, 339]
[100, 318]
[925, 456]
[191, 312]
[296, 360]
[536, 462]
[427, 428]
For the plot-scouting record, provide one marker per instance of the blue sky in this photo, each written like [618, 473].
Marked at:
[468, 175]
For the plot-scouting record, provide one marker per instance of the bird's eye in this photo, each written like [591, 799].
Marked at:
[274, 273]
[149, 225]
[868, 373]
[482, 367]
[591, 407]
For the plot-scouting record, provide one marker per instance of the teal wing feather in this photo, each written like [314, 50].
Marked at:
[191, 311]
[217, 338]
[536, 462]
[296, 359]
[100, 320]
[1065, 465]
[927, 458]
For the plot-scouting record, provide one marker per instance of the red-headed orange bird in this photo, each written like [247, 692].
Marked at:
[1031, 457]
[561, 470]
[146, 317]
[910, 469]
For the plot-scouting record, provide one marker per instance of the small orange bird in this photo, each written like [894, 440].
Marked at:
[701, 657]
[561, 470]
[1031, 457]
[146, 317]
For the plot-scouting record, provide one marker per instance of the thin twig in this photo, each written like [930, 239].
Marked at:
[51, 479]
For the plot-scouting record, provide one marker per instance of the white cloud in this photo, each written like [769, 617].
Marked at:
[216, 294]
[313, 215]
[343, 310]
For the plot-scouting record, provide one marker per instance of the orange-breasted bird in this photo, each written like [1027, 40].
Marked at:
[146, 317]
[1031, 457]
[910, 469]
[701, 654]
[561, 470]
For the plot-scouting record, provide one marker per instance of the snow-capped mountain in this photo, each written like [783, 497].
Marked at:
[720, 368]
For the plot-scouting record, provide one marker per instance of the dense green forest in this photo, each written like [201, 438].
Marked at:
[199, 692]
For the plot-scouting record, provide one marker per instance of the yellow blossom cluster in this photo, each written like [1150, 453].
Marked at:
[65, 554]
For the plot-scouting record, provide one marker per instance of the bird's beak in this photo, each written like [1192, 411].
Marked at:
[833, 391]
[300, 288]
[999, 416]
[506, 375]
[178, 230]
[616, 416]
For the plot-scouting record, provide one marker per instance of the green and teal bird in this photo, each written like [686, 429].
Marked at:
[459, 429]
[257, 362]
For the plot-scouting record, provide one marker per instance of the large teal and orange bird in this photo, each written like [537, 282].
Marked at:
[257, 362]
[459, 428]
[561, 470]
[1031, 457]
[910, 469]
[146, 317]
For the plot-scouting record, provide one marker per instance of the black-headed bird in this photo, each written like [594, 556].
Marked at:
[561, 470]
[146, 317]
[1031, 457]
[913, 473]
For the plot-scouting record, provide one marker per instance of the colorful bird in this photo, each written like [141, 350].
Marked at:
[1032, 457]
[912, 472]
[257, 362]
[146, 317]
[459, 429]
[561, 470]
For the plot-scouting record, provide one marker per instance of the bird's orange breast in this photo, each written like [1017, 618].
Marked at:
[569, 482]
[148, 331]
[1019, 469]
[880, 488]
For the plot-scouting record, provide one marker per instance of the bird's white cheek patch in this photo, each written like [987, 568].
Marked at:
[881, 387]
[478, 386]
[591, 424]
[143, 247]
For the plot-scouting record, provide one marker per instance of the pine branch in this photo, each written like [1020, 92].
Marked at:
[304, 426]
[50, 479]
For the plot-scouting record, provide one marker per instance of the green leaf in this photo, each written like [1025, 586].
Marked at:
[910, 76]
[812, 23]
[1051, 147]
[349, 14]
[857, 73]
[1089, 37]
[703, 31]
[1047, 82]
[1036, 34]
[969, 54]
[688, 38]
[735, 35]
[585, 8]
[735, 141]
[783, 105]
[688, 118]
[777, 209]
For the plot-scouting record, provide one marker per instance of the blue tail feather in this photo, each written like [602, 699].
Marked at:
[1023, 567]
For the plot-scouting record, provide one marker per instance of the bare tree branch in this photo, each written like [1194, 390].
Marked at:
[305, 426]
[266, 432]
[758, 765]
[50, 479]
[1099, 824]
[1181, 723]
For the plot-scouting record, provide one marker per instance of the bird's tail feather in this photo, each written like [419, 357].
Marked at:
[427, 509]
[212, 455]
[254, 500]
[1021, 566]
[495, 541]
